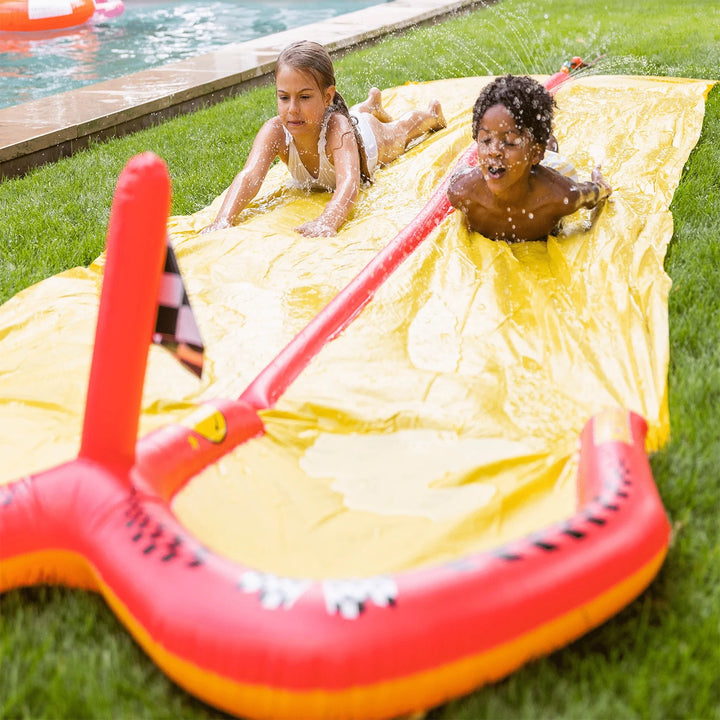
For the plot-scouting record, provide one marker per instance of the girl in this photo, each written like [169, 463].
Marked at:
[324, 145]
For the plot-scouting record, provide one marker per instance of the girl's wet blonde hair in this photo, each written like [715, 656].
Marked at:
[311, 57]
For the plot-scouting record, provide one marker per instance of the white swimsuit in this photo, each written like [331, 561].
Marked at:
[325, 179]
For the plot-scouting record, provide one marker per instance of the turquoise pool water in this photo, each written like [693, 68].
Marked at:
[147, 34]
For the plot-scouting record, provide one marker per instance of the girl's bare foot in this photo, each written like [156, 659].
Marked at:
[436, 112]
[374, 106]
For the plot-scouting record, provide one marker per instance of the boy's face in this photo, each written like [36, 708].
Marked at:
[506, 153]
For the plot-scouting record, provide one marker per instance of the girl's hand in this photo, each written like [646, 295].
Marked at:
[316, 228]
[216, 225]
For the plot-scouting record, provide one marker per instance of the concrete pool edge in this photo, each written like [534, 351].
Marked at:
[48, 129]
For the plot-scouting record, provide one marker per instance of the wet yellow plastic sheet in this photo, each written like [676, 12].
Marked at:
[446, 418]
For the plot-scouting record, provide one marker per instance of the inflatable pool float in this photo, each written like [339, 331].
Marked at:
[109, 8]
[37, 15]
[263, 642]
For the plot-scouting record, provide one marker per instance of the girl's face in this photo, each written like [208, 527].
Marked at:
[301, 102]
[506, 154]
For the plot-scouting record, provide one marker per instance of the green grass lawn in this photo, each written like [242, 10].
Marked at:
[64, 655]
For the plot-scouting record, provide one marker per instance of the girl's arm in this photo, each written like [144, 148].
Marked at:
[266, 147]
[343, 149]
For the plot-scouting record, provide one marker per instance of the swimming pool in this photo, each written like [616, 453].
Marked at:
[147, 34]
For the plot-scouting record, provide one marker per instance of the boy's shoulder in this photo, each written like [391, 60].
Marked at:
[553, 183]
[465, 177]
[463, 187]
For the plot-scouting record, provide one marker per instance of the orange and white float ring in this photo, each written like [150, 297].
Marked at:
[37, 15]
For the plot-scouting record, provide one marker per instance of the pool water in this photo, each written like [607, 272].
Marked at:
[147, 34]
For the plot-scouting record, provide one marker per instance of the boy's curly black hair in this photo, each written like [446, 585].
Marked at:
[529, 102]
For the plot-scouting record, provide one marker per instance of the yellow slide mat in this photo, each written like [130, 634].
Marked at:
[446, 418]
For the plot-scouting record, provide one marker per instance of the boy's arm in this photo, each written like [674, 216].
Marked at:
[593, 192]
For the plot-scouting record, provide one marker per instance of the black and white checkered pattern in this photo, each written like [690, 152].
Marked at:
[175, 327]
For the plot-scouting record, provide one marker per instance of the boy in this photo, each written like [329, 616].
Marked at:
[512, 194]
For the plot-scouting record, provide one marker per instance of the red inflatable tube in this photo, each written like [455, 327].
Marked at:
[263, 646]
[126, 320]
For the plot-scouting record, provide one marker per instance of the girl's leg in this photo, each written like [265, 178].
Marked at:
[393, 137]
[373, 106]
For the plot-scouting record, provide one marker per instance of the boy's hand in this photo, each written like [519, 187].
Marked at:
[602, 183]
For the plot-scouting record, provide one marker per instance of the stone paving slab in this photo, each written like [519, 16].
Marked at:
[50, 128]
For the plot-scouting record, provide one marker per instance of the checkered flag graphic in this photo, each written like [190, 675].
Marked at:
[175, 327]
